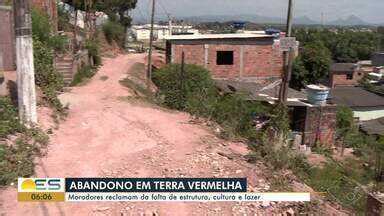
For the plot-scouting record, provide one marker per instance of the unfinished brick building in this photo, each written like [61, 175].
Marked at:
[229, 56]
[7, 36]
[7, 42]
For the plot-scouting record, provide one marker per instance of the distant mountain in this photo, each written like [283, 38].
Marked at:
[248, 18]
[349, 21]
[303, 20]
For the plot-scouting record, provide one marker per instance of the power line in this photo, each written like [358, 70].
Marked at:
[164, 9]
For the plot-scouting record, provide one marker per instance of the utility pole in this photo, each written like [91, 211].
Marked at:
[149, 71]
[288, 58]
[24, 61]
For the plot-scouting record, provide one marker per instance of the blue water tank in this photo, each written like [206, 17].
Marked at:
[271, 31]
[317, 94]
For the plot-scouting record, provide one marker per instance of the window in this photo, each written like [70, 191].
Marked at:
[350, 76]
[224, 58]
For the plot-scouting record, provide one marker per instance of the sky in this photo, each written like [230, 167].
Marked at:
[369, 10]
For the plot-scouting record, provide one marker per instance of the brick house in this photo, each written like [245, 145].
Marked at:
[7, 36]
[7, 42]
[229, 56]
[345, 74]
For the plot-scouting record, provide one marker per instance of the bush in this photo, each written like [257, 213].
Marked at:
[177, 90]
[93, 51]
[17, 160]
[84, 73]
[41, 26]
[46, 76]
[9, 121]
[63, 21]
[59, 43]
[114, 31]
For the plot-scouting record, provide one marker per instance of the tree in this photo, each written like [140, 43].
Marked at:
[299, 74]
[345, 124]
[312, 65]
[117, 10]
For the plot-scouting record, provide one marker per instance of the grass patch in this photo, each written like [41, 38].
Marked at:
[17, 159]
[139, 89]
[85, 73]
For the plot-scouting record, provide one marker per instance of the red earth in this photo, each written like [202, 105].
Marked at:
[110, 134]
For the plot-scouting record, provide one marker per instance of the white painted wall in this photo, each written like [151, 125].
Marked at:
[368, 115]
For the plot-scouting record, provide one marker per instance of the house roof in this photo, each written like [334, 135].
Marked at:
[343, 67]
[218, 36]
[262, 92]
[373, 127]
[355, 97]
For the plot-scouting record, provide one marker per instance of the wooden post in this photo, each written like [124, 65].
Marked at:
[182, 74]
[24, 61]
[149, 71]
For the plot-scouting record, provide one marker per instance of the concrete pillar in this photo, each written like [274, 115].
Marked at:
[206, 53]
[241, 61]
[24, 61]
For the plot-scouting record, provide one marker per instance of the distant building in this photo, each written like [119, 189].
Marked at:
[142, 32]
[378, 59]
[345, 74]
[229, 56]
[365, 105]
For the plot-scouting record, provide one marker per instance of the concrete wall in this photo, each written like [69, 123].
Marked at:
[254, 60]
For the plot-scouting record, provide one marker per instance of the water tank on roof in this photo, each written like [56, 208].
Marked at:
[317, 94]
[272, 31]
[238, 25]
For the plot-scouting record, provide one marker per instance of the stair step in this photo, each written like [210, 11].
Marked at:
[64, 65]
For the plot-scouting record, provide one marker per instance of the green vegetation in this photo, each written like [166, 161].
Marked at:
[177, 88]
[93, 51]
[17, 159]
[345, 45]
[114, 31]
[312, 65]
[42, 31]
[194, 92]
[345, 123]
[9, 122]
[377, 89]
[83, 74]
[63, 21]
[321, 47]
[44, 46]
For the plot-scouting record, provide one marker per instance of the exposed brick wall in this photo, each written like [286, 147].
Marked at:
[338, 79]
[7, 42]
[320, 126]
[48, 6]
[7, 37]
[259, 61]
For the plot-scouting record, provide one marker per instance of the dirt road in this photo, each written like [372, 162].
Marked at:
[108, 135]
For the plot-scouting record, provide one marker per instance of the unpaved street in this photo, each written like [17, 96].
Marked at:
[108, 135]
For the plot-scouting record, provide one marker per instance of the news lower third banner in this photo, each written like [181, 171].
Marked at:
[145, 190]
